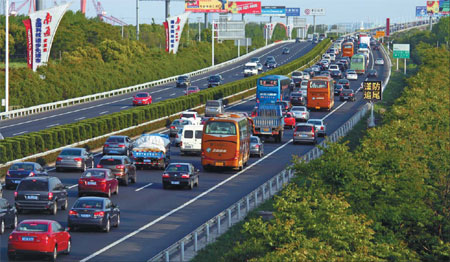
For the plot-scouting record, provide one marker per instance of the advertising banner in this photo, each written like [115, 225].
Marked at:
[206, 6]
[248, 7]
[444, 7]
[292, 11]
[401, 51]
[379, 34]
[27, 24]
[43, 28]
[174, 27]
[421, 11]
[432, 7]
[388, 26]
[269, 29]
[372, 90]
[273, 10]
[314, 11]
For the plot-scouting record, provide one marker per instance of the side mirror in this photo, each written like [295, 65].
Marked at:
[67, 229]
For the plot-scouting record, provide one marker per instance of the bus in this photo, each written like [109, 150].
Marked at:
[347, 49]
[272, 88]
[320, 93]
[226, 141]
[358, 63]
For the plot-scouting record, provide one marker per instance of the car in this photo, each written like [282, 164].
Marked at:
[251, 69]
[327, 57]
[379, 61]
[41, 193]
[271, 64]
[315, 40]
[325, 73]
[324, 63]
[297, 99]
[39, 237]
[18, 171]
[316, 69]
[121, 167]
[183, 81]
[338, 89]
[351, 75]
[300, 113]
[289, 120]
[286, 51]
[310, 72]
[259, 66]
[319, 125]
[142, 98]
[297, 40]
[180, 174]
[376, 47]
[336, 74]
[304, 88]
[214, 107]
[177, 140]
[333, 67]
[191, 115]
[191, 90]
[256, 146]
[117, 145]
[94, 212]
[98, 181]
[341, 66]
[285, 105]
[372, 73]
[305, 133]
[74, 158]
[8, 215]
[178, 124]
[344, 82]
[214, 80]
[254, 60]
[297, 76]
[332, 57]
[269, 59]
[347, 94]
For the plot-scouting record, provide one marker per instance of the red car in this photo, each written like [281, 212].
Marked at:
[98, 181]
[191, 90]
[143, 98]
[38, 236]
[289, 120]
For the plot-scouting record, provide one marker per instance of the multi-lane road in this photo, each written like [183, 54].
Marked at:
[152, 218]
[230, 73]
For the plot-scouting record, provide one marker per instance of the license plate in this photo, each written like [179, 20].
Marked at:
[92, 183]
[32, 197]
[85, 215]
[16, 181]
[219, 163]
[187, 147]
[266, 129]
[175, 182]
[27, 238]
[113, 152]
[304, 135]
[147, 160]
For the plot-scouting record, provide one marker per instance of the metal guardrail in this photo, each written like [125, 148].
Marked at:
[78, 100]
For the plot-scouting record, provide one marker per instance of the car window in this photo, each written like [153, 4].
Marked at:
[177, 168]
[303, 128]
[314, 122]
[56, 227]
[188, 134]
[110, 161]
[94, 174]
[33, 185]
[198, 134]
[89, 203]
[32, 227]
[115, 139]
[176, 122]
[254, 140]
[71, 152]
[107, 203]
[21, 167]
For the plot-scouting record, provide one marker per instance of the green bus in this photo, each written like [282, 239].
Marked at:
[358, 63]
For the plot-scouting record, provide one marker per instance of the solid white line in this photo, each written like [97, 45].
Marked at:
[23, 132]
[102, 113]
[53, 125]
[123, 107]
[334, 110]
[80, 118]
[172, 94]
[115, 243]
[242, 102]
[160, 90]
[73, 186]
[139, 189]
[158, 98]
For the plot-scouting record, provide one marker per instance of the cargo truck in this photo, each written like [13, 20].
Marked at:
[151, 150]
[268, 122]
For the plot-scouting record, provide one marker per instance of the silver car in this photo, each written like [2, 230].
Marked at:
[320, 126]
[177, 139]
[178, 124]
[256, 146]
[117, 145]
[74, 158]
[305, 133]
[300, 113]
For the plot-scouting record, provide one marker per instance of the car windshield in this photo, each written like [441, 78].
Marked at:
[176, 122]
[254, 140]
[187, 115]
[89, 203]
[347, 92]
[70, 152]
[343, 81]
[183, 78]
[33, 185]
[249, 67]
[110, 161]
[94, 173]
[21, 167]
[303, 128]
[351, 72]
[213, 103]
[116, 140]
[297, 74]
[192, 89]
[220, 128]
[142, 95]
[177, 168]
[32, 227]
[214, 78]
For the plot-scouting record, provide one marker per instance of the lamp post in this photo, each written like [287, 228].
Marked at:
[6, 56]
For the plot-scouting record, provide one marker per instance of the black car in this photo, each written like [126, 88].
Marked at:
[372, 73]
[41, 193]
[117, 145]
[336, 74]
[8, 215]
[286, 51]
[121, 166]
[347, 94]
[184, 81]
[297, 99]
[285, 105]
[271, 64]
[214, 80]
[344, 82]
[18, 171]
[338, 89]
[180, 174]
[269, 59]
[94, 212]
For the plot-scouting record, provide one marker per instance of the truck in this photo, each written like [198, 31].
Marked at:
[250, 69]
[214, 107]
[269, 122]
[364, 42]
[151, 150]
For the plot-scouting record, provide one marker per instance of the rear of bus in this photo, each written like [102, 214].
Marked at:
[347, 50]
[267, 90]
[358, 63]
[320, 93]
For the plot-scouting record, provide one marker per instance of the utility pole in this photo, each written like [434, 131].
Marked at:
[6, 56]
[199, 19]
[137, 19]
[167, 8]
[212, 43]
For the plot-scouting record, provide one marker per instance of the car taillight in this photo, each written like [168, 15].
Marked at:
[105, 145]
[181, 143]
[120, 167]
[77, 159]
[11, 237]
[15, 194]
[351, 94]
[172, 127]
[236, 155]
[50, 195]
[121, 145]
[185, 176]
[31, 174]
[73, 213]
[7, 173]
[176, 136]
[321, 128]
[165, 176]
[99, 214]
[59, 159]
[99, 166]
[257, 146]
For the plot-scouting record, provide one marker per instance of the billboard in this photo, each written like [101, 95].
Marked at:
[247, 7]
[432, 7]
[273, 10]
[421, 11]
[401, 51]
[379, 34]
[314, 11]
[174, 27]
[292, 11]
[230, 30]
[41, 29]
[444, 7]
[206, 6]
[388, 26]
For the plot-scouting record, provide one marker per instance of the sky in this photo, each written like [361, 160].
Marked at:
[337, 11]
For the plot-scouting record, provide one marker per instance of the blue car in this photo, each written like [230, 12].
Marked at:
[18, 171]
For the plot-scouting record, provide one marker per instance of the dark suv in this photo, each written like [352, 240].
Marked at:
[121, 166]
[117, 145]
[297, 99]
[184, 81]
[41, 193]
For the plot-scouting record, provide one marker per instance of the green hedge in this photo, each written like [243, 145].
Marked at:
[21, 146]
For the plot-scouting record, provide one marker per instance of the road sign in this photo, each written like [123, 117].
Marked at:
[230, 30]
[291, 11]
[379, 34]
[314, 11]
[401, 51]
[372, 90]
[243, 42]
[299, 22]
[273, 10]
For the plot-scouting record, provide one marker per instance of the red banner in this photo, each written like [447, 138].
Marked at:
[387, 26]
[248, 7]
[27, 24]
[166, 26]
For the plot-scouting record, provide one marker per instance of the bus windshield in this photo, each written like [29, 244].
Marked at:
[220, 128]
[318, 84]
[357, 60]
[268, 82]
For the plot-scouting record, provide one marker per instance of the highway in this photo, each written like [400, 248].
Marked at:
[66, 115]
[152, 218]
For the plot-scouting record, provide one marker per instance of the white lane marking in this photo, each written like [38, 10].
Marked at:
[242, 102]
[160, 90]
[172, 94]
[73, 186]
[23, 132]
[80, 118]
[123, 107]
[158, 98]
[53, 125]
[102, 113]
[139, 189]
[115, 243]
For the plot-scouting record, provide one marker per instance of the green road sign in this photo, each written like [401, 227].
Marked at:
[401, 51]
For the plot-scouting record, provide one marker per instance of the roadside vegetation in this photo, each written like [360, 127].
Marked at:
[386, 200]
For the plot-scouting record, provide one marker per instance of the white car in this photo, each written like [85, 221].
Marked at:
[320, 126]
[300, 113]
[332, 57]
[192, 116]
[379, 61]
[351, 75]
[250, 69]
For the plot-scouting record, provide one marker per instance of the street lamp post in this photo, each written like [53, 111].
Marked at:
[6, 56]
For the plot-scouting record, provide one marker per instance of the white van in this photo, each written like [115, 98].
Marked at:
[191, 139]
[304, 88]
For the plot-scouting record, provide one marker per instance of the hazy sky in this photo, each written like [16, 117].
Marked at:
[337, 11]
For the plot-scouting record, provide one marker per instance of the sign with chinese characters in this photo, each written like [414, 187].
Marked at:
[292, 11]
[314, 11]
[43, 25]
[372, 90]
[379, 34]
[174, 27]
[401, 51]
[269, 30]
[273, 10]
[444, 7]
[206, 6]
[244, 7]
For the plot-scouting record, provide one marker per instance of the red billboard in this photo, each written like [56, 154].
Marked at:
[388, 24]
[27, 24]
[244, 7]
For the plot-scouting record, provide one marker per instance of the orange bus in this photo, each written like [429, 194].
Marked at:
[226, 141]
[347, 49]
[320, 93]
